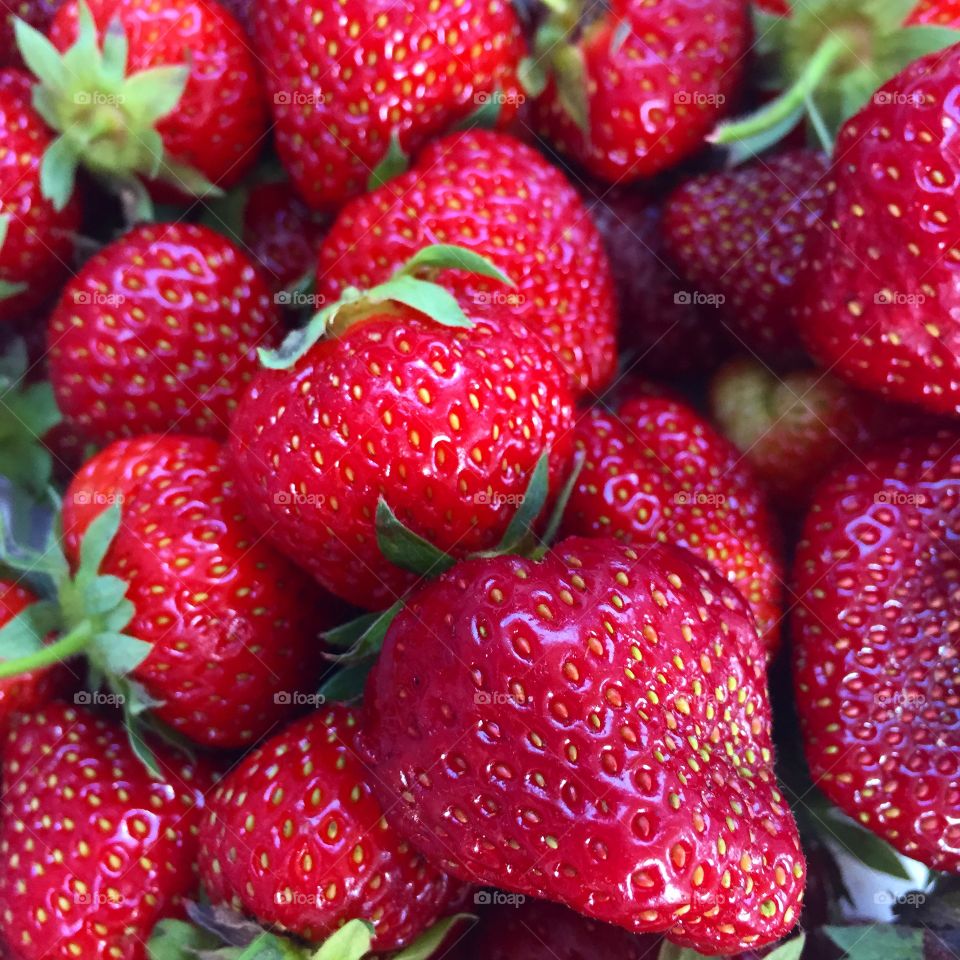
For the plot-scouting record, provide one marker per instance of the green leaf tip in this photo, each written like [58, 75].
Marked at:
[395, 161]
[406, 549]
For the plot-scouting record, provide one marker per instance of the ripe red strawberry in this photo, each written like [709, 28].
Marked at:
[656, 472]
[36, 242]
[876, 658]
[158, 331]
[345, 80]
[179, 100]
[661, 328]
[95, 851]
[295, 837]
[880, 303]
[500, 198]
[794, 427]
[446, 425]
[739, 236]
[634, 87]
[38, 13]
[591, 728]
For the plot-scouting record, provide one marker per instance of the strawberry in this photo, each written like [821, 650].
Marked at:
[295, 837]
[38, 13]
[633, 87]
[219, 633]
[141, 92]
[738, 236]
[500, 198]
[655, 471]
[793, 428]
[95, 851]
[827, 57]
[880, 301]
[36, 243]
[661, 328]
[397, 416]
[158, 331]
[875, 651]
[346, 81]
[591, 728]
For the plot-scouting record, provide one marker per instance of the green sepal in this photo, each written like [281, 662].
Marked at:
[118, 653]
[570, 72]
[351, 942]
[448, 256]
[619, 37]
[888, 15]
[96, 541]
[347, 684]
[487, 114]
[25, 633]
[429, 942]
[909, 44]
[362, 638]
[136, 704]
[563, 499]
[746, 148]
[58, 171]
[178, 940]
[532, 75]
[115, 51]
[530, 506]
[406, 549]
[878, 941]
[425, 297]
[41, 57]
[395, 161]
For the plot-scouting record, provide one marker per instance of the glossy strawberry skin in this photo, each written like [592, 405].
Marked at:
[654, 96]
[303, 800]
[234, 626]
[876, 661]
[446, 424]
[502, 199]
[740, 235]
[343, 79]
[39, 243]
[219, 124]
[656, 471]
[158, 331]
[95, 850]
[880, 279]
[559, 729]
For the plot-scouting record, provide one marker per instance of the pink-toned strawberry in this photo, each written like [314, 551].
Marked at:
[296, 838]
[38, 13]
[739, 236]
[880, 298]
[502, 199]
[655, 471]
[591, 728]
[395, 415]
[634, 87]
[36, 240]
[95, 850]
[141, 92]
[158, 331]
[875, 644]
[345, 81]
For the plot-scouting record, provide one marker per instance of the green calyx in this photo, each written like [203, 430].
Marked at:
[826, 58]
[412, 285]
[106, 117]
[8, 288]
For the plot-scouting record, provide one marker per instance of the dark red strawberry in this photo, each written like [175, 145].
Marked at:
[169, 93]
[880, 288]
[634, 86]
[875, 642]
[591, 728]
[95, 851]
[656, 472]
[794, 427]
[295, 838]
[158, 331]
[738, 237]
[346, 80]
[36, 241]
[441, 424]
[662, 329]
[500, 198]
[38, 13]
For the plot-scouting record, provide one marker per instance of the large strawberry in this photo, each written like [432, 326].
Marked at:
[655, 471]
[158, 331]
[145, 92]
[36, 241]
[634, 86]
[295, 838]
[95, 850]
[346, 80]
[877, 668]
[397, 411]
[500, 198]
[880, 291]
[738, 237]
[591, 728]
[219, 632]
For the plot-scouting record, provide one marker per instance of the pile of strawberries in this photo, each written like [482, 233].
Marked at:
[435, 434]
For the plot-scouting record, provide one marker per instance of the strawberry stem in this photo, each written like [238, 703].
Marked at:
[69, 645]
